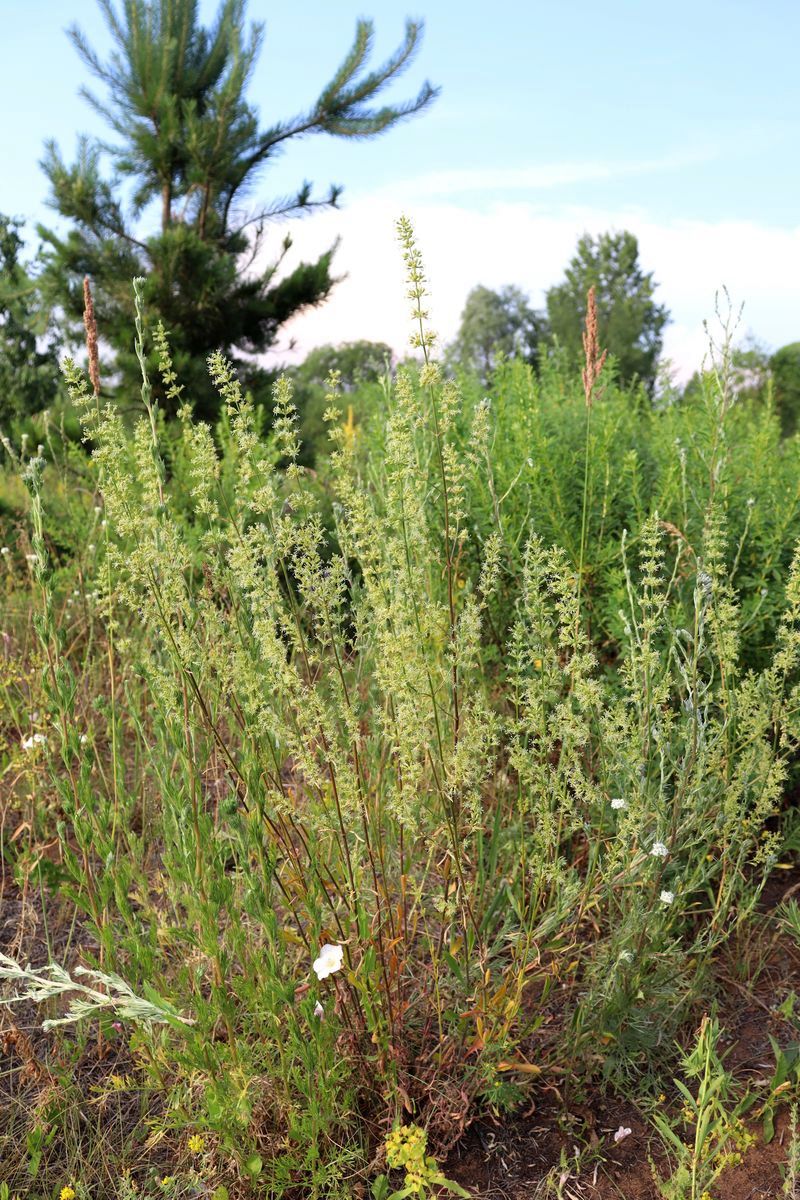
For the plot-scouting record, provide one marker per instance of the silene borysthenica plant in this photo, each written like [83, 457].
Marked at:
[387, 853]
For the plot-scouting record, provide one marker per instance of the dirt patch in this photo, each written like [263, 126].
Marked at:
[537, 1154]
[554, 1151]
[534, 1158]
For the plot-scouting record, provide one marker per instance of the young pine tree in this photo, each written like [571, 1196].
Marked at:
[191, 150]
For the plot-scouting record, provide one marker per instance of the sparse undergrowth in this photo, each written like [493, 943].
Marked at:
[380, 799]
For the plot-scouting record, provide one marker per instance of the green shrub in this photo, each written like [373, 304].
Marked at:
[532, 452]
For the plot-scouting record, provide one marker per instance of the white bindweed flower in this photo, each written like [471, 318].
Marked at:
[319, 1011]
[329, 961]
[619, 803]
[666, 897]
[623, 1132]
[659, 850]
[36, 739]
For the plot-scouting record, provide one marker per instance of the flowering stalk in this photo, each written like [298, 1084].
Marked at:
[594, 361]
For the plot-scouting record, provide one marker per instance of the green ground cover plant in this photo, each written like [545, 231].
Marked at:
[381, 794]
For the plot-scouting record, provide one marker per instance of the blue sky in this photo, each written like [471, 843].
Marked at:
[680, 121]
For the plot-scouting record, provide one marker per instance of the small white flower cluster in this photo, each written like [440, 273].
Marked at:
[89, 598]
[35, 739]
[658, 850]
[618, 803]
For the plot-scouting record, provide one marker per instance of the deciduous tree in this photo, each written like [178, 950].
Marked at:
[630, 322]
[785, 368]
[495, 324]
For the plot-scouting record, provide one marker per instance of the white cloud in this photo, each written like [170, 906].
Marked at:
[540, 177]
[527, 244]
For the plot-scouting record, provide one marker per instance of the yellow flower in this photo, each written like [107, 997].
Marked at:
[67, 1193]
[349, 428]
[195, 1143]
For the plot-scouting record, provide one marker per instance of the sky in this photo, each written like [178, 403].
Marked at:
[679, 121]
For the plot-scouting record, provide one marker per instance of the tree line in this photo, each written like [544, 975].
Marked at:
[172, 198]
[631, 322]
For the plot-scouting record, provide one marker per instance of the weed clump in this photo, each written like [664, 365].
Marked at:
[371, 818]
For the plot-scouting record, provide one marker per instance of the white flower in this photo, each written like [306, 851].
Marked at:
[36, 739]
[666, 897]
[619, 803]
[84, 738]
[622, 1133]
[330, 960]
[319, 1011]
[659, 850]
[4, 550]
[32, 558]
